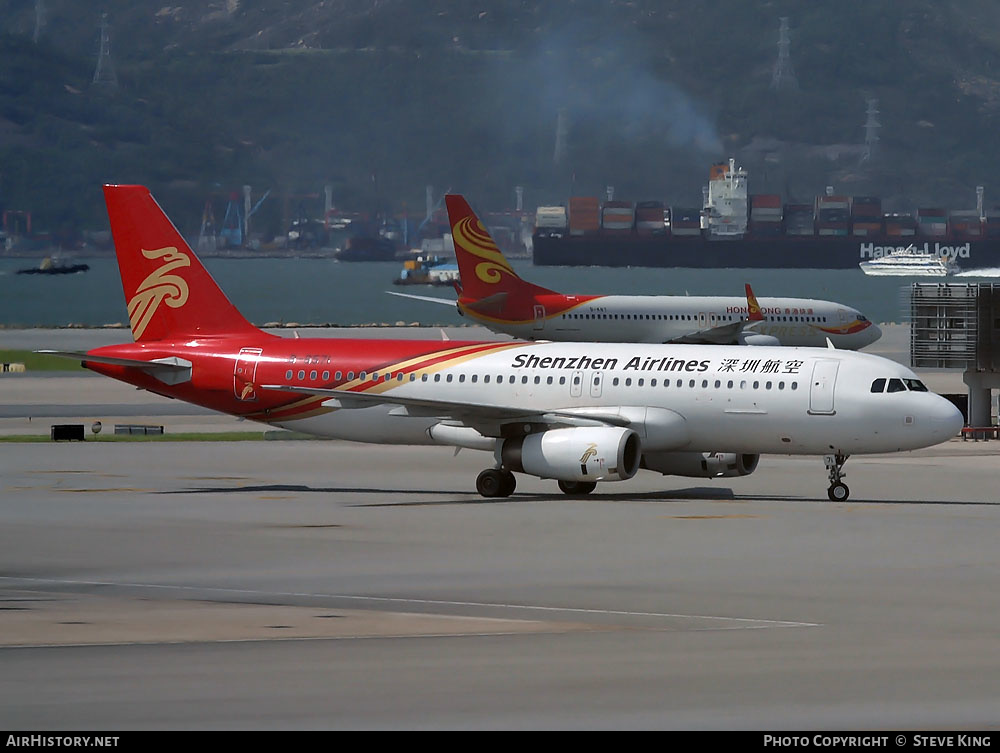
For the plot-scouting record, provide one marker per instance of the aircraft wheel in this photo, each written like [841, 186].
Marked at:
[491, 483]
[577, 487]
[838, 492]
[509, 484]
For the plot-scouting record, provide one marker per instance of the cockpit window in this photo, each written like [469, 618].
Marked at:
[896, 385]
[915, 385]
[862, 318]
[878, 385]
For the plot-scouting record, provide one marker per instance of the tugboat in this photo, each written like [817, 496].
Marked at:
[428, 270]
[50, 267]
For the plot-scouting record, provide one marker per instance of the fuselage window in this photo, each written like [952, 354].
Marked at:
[795, 385]
[326, 375]
[461, 377]
[781, 385]
[524, 380]
[475, 378]
[896, 385]
[511, 380]
[652, 382]
[640, 382]
[743, 384]
[614, 382]
[538, 380]
[486, 379]
[878, 385]
[562, 380]
[767, 386]
[628, 382]
[350, 375]
[704, 384]
[302, 375]
[717, 384]
[423, 377]
[437, 377]
[691, 383]
[362, 375]
[374, 376]
[449, 377]
[756, 385]
[338, 375]
[413, 377]
[548, 380]
[288, 374]
[729, 384]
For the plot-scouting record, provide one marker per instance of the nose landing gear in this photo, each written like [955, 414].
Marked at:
[838, 491]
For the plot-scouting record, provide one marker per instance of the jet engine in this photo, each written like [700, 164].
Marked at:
[575, 454]
[754, 338]
[701, 464]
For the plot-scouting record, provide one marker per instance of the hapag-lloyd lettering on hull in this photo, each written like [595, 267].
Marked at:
[871, 251]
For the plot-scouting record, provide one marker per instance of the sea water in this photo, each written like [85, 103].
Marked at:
[327, 292]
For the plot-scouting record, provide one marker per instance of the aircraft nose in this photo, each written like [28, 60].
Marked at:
[872, 333]
[945, 419]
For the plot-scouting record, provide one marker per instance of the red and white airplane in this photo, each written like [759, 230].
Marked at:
[577, 413]
[493, 294]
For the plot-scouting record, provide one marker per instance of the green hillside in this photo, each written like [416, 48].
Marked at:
[380, 99]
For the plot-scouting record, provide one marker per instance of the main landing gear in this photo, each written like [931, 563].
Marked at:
[838, 491]
[577, 488]
[496, 482]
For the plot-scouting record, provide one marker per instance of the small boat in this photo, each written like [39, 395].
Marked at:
[50, 267]
[427, 271]
[910, 262]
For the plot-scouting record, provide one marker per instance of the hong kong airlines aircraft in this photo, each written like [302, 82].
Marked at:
[493, 294]
[578, 413]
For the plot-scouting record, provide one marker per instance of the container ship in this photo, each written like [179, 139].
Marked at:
[736, 229]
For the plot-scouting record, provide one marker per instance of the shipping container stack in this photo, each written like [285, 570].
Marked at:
[765, 215]
[550, 221]
[832, 215]
[866, 216]
[932, 222]
[584, 215]
[799, 219]
[966, 225]
[617, 218]
[899, 224]
[651, 218]
[685, 221]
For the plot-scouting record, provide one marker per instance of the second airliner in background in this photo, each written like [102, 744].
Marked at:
[493, 294]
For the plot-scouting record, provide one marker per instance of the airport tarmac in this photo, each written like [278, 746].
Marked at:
[332, 585]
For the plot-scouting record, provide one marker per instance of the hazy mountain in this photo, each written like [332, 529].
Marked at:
[381, 98]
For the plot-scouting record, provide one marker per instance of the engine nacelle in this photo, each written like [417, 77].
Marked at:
[701, 464]
[754, 338]
[575, 454]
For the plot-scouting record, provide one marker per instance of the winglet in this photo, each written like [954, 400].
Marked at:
[829, 344]
[753, 308]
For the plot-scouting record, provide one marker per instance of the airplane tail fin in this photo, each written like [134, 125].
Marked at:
[167, 290]
[482, 267]
[754, 313]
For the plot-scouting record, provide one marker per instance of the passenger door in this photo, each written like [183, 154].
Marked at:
[245, 373]
[822, 386]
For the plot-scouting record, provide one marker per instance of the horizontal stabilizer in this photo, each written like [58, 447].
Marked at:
[171, 370]
[428, 298]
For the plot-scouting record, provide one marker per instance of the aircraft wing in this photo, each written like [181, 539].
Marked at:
[488, 419]
[726, 334]
[171, 370]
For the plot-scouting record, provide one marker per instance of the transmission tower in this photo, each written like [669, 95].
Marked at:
[104, 74]
[871, 130]
[783, 77]
[559, 154]
[39, 20]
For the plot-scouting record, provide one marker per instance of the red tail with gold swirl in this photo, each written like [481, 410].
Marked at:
[482, 267]
[168, 291]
